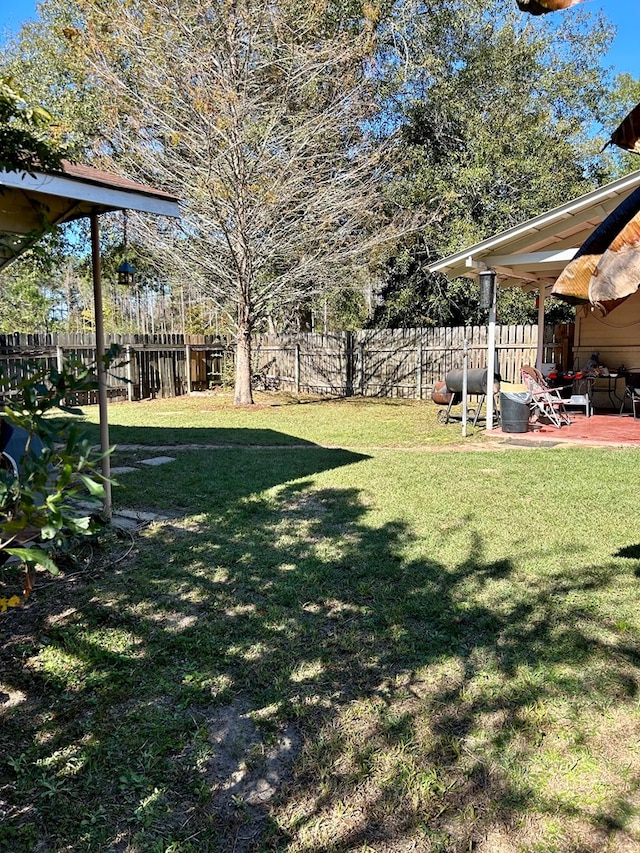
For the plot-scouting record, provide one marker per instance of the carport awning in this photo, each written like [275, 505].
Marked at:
[32, 204]
[533, 254]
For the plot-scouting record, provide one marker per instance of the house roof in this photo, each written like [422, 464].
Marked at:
[536, 251]
[30, 204]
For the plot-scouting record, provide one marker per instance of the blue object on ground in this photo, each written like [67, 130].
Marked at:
[13, 443]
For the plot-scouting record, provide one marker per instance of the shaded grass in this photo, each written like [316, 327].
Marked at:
[278, 419]
[434, 652]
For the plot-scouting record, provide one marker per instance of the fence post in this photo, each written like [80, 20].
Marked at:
[129, 374]
[187, 357]
[60, 358]
[433, 349]
[350, 367]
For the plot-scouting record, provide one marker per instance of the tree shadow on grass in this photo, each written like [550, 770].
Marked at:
[169, 435]
[277, 672]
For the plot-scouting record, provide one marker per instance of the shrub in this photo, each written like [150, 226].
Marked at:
[52, 493]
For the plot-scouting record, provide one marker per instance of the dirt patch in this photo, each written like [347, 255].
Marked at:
[245, 773]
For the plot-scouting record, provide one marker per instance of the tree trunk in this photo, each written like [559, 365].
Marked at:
[243, 395]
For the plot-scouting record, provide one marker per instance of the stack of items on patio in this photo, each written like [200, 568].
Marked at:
[574, 386]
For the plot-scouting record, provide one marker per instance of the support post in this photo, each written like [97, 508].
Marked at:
[488, 300]
[60, 361]
[296, 369]
[540, 350]
[465, 384]
[102, 372]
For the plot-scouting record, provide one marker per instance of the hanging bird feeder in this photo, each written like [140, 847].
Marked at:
[126, 274]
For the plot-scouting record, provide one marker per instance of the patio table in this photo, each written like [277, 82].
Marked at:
[607, 384]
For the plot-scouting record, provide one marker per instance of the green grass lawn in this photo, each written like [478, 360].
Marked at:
[277, 420]
[344, 644]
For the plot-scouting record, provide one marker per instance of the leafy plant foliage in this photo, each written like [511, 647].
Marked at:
[50, 493]
[27, 141]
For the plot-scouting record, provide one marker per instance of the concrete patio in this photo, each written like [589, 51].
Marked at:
[604, 428]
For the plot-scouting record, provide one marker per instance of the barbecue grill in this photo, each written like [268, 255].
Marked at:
[476, 385]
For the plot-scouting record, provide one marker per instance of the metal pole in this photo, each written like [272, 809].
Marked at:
[540, 350]
[465, 369]
[102, 371]
[491, 349]
[60, 360]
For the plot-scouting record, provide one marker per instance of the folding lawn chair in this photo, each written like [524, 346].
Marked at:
[545, 401]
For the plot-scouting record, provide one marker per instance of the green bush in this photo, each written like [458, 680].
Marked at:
[54, 493]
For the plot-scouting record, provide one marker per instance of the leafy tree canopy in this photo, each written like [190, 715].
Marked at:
[28, 134]
[497, 126]
[492, 117]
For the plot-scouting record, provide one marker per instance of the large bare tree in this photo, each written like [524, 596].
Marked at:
[260, 117]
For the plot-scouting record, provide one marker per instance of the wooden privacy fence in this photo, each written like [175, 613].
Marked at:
[377, 363]
[396, 362]
[151, 365]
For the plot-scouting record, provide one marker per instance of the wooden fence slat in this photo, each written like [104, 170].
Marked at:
[375, 362]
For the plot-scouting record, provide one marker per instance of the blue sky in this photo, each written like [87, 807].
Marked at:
[625, 14]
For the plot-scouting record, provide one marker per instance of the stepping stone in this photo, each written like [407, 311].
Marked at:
[158, 460]
[123, 469]
[141, 516]
[124, 523]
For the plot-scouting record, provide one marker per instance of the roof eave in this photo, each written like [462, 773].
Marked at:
[467, 262]
[100, 196]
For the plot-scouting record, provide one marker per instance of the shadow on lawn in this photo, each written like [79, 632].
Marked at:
[163, 436]
[277, 655]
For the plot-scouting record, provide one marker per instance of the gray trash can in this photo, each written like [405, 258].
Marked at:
[514, 410]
